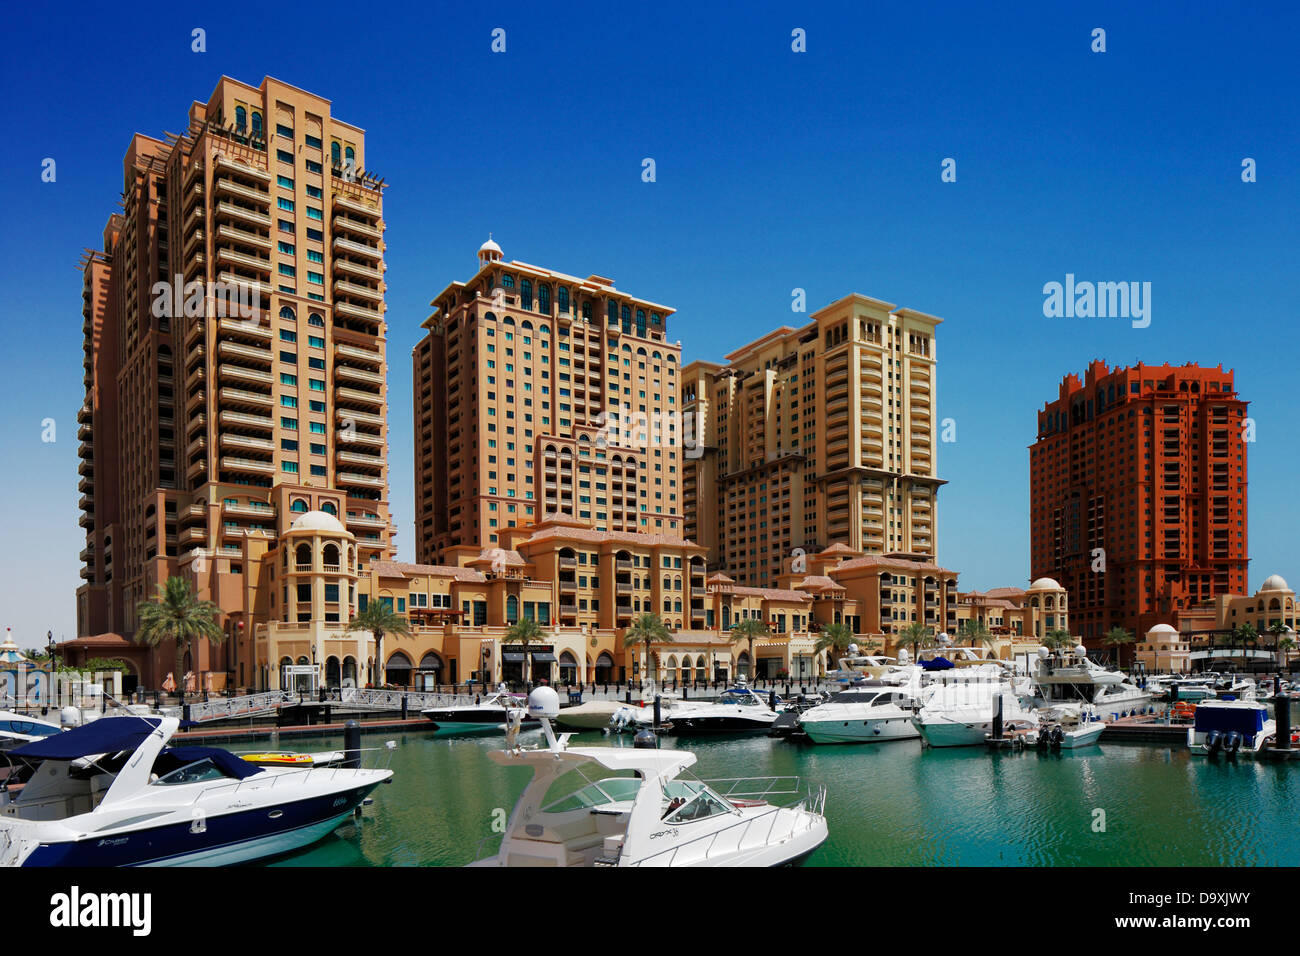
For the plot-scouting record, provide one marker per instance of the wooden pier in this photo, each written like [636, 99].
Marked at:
[1147, 729]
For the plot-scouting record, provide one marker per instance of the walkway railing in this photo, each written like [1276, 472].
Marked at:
[415, 701]
[225, 708]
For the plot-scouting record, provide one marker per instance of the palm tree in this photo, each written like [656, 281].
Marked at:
[976, 632]
[525, 631]
[379, 619]
[748, 629]
[647, 628]
[916, 635]
[1057, 638]
[178, 615]
[834, 638]
[1117, 637]
[1245, 635]
[1279, 630]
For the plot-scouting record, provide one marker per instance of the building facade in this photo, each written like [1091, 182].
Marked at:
[1211, 632]
[1138, 494]
[814, 436]
[235, 366]
[541, 394]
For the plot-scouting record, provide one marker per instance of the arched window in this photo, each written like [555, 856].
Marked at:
[350, 155]
[302, 555]
[299, 506]
[626, 316]
[336, 158]
[640, 322]
[544, 298]
[586, 311]
[612, 312]
[512, 609]
[286, 313]
[241, 118]
[330, 555]
[562, 298]
[257, 123]
[329, 509]
[526, 294]
[316, 320]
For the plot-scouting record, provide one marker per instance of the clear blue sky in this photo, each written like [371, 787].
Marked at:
[775, 170]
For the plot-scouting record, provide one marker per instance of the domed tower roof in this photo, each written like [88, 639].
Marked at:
[488, 252]
[1275, 582]
[318, 521]
[1045, 584]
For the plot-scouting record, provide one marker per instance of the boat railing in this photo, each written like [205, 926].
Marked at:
[816, 803]
[259, 781]
[754, 787]
[415, 700]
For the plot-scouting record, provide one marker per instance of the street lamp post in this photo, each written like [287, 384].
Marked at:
[49, 656]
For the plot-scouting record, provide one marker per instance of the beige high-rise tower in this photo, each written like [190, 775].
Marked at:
[816, 436]
[235, 360]
[539, 395]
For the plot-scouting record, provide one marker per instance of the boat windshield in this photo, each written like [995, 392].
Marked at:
[742, 697]
[196, 772]
[688, 800]
[27, 728]
[576, 790]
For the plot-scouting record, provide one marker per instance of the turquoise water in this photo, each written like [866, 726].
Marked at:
[888, 804]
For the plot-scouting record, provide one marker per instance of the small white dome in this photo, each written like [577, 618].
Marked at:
[1275, 582]
[317, 521]
[489, 246]
[1162, 629]
[1045, 584]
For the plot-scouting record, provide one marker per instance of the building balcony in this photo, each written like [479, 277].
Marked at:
[358, 375]
[357, 269]
[85, 450]
[238, 396]
[235, 234]
[350, 436]
[369, 399]
[254, 329]
[343, 287]
[346, 224]
[356, 458]
[568, 610]
[225, 186]
[352, 478]
[247, 443]
[243, 169]
[86, 503]
[243, 214]
[239, 373]
[194, 534]
[86, 520]
[243, 418]
[356, 248]
[85, 414]
[344, 350]
[83, 432]
[364, 521]
[86, 468]
[340, 201]
[344, 414]
[236, 349]
[358, 312]
[248, 465]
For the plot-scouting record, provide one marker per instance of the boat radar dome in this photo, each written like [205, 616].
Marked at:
[1081, 651]
[544, 702]
[70, 717]
[853, 650]
[1043, 653]
[944, 639]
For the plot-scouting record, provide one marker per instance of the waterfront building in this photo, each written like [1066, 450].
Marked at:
[814, 436]
[1138, 494]
[540, 394]
[1010, 613]
[1210, 629]
[235, 373]
[1162, 650]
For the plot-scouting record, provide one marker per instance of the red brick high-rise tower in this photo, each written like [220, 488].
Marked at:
[1144, 467]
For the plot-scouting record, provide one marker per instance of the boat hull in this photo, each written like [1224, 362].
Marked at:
[223, 839]
[686, 725]
[859, 731]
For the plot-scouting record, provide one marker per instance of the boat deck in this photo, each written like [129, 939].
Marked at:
[1145, 729]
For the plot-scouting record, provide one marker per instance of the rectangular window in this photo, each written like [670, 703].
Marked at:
[315, 192]
[285, 204]
[317, 385]
[315, 341]
[312, 166]
[286, 248]
[286, 225]
[316, 363]
[287, 379]
[289, 357]
[317, 428]
[288, 335]
[288, 270]
[288, 444]
[316, 277]
[315, 234]
[318, 471]
[288, 401]
[313, 256]
[314, 213]
[289, 423]
[316, 406]
[282, 130]
[284, 156]
[312, 141]
[284, 182]
[317, 449]
[290, 467]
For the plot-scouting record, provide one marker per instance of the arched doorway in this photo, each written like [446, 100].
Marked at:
[349, 672]
[429, 674]
[604, 668]
[742, 665]
[332, 672]
[398, 670]
[568, 668]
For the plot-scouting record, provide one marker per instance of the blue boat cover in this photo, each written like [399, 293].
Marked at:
[107, 735]
[1247, 721]
[938, 664]
[173, 758]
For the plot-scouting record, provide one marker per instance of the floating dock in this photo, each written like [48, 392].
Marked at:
[1147, 729]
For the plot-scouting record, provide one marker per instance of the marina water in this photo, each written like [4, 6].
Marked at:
[889, 804]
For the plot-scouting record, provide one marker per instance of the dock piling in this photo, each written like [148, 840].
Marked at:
[352, 745]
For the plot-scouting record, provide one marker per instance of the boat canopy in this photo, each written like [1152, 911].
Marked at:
[107, 735]
[1247, 720]
[937, 664]
[173, 758]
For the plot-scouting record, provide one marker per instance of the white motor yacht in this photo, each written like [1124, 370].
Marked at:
[1070, 677]
[1068, 727]
[738, 710]
[18, 729]
[961, 714]
[865, 713]
[1230, 727]
[492, 713]
[112, 793]
[620, 806]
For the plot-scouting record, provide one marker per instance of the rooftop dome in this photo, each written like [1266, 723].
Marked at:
[1045, 584]
[1275, 582]
[317, 521]
[1162, 629]
[489, 246]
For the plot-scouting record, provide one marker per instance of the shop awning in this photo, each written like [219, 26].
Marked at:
[543, 657]
[513, 658]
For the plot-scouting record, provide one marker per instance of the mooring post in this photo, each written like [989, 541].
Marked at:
[658, 711]
[997, 717]
[1282, 709]
[352, 745]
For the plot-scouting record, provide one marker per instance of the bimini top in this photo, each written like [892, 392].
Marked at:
[107, 735]
[937, 664]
